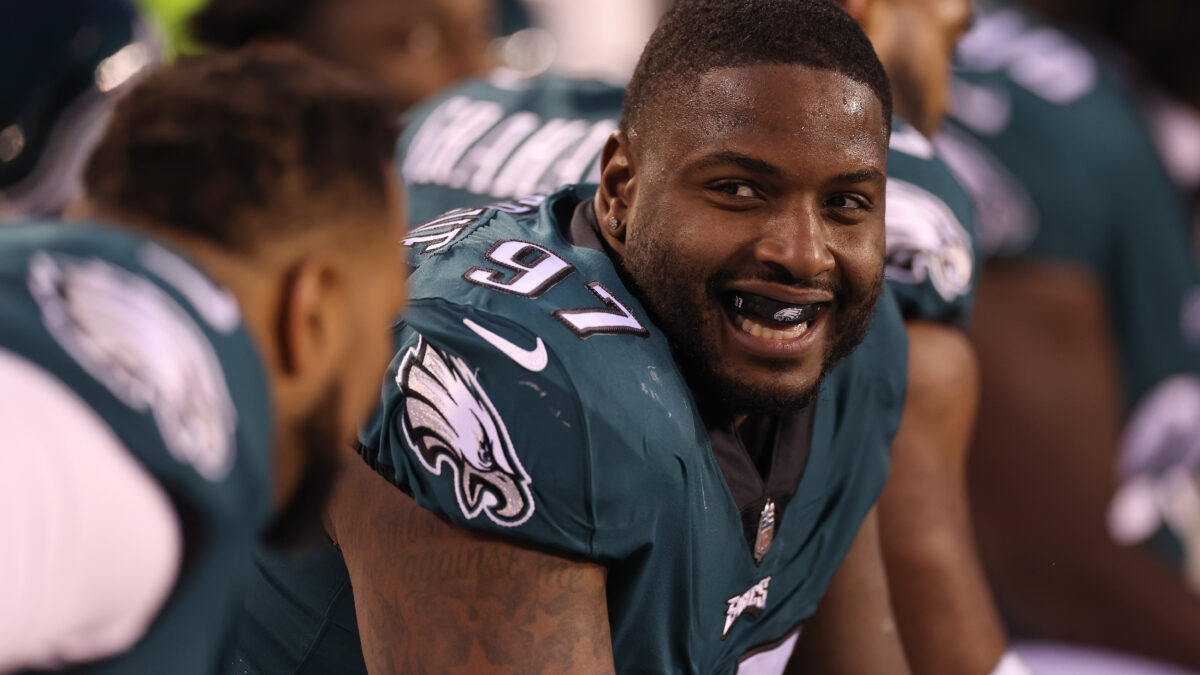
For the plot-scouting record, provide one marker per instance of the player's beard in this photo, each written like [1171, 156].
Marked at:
[298, 522]
[688, 321]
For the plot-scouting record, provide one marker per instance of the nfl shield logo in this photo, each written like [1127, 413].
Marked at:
[766, 531]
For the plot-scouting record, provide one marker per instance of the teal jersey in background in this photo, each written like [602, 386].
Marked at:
[160, 354]
[505, 137]
[1175, 126]
[1068, 174]
[930, 223]
[1052, 141]
[589, 444]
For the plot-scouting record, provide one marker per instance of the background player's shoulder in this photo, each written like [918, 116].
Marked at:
[1059, 113]
[932, 249]
[155, 346]
[1057, 88]
[501, 137]
[549, 95]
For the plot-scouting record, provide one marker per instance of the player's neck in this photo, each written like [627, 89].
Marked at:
[243, 274]
[252, 280]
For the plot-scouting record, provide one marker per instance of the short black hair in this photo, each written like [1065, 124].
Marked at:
[229, 24]
[245, 146]
[696, 36]
[1162, 36]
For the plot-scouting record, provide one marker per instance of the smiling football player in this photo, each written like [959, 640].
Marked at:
[640, 426]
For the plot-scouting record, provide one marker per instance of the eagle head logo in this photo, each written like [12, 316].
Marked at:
[451, 422]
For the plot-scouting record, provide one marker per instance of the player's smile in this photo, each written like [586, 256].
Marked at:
[776, 322]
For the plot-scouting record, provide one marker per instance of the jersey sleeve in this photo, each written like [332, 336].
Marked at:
[480, 423]
[1110, 210]
[930, 254]
[932, 247]
[1152, 275]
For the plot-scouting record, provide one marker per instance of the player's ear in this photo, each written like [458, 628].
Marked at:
[618, 182]
[312, 321]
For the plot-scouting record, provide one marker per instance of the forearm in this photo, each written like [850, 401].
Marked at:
[854, 630]
[944, 609]
[946, 617]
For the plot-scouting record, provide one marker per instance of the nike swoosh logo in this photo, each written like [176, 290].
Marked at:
[530, 359]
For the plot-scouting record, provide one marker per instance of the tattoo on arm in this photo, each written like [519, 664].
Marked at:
[434, 598]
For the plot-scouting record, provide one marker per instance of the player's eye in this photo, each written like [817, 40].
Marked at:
[735, 188]
[848, 202]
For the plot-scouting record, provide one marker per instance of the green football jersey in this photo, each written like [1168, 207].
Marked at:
[161, 355]
[1074, 177]
[1052, 141]
[531, 398]
[504, 138]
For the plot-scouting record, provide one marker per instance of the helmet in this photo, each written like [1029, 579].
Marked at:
[62, 64]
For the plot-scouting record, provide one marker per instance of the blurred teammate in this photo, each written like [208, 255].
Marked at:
[416, 48]
[1089, 434]
[638, 412]
[62, 66]
[178, 370]
[1159, 41]
[505, 137]
[944, 610]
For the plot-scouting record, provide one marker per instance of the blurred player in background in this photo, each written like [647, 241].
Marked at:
[1089, 435]
[179, 369]
[1158, 42]
[505, 136]
[541, 398]
[415, 47]
[62, 66]
[944, 610]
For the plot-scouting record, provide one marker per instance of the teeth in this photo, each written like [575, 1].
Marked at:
[758, 330]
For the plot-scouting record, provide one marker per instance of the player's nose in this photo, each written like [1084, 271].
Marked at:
[799, 243]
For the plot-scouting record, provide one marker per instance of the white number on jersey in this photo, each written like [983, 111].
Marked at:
[539, 274]
[616, 318]
[535, 269]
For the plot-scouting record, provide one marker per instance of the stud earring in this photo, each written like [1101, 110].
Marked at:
[613, 223]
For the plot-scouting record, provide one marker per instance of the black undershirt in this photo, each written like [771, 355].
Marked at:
[762, 458]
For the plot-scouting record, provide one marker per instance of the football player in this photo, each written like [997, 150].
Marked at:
[627, 427]
[504, 136]
[415, 48]
[1159, 38]
[178, 368]
[1090, 423]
